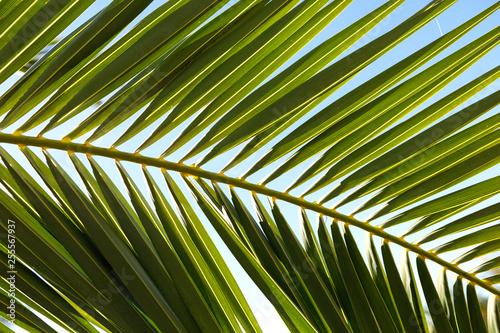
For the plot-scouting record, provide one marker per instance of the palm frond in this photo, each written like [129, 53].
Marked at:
[98, 250]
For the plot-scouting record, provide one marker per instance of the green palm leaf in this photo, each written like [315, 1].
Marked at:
[413, 143]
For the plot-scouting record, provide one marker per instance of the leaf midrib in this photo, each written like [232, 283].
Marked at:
[45, 143]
